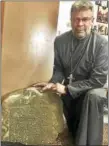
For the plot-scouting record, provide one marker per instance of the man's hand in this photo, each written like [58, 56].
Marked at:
[41, 85]
[60, 88]
[44, 86]
[49, 86]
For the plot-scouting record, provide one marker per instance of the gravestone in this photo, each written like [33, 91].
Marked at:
[31, 117]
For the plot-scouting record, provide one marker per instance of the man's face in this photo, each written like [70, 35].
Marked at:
[81, 22]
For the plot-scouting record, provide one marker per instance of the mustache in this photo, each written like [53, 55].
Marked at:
[81, 29]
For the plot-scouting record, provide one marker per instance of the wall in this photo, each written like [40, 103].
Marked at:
[27, 49]
[64, 16]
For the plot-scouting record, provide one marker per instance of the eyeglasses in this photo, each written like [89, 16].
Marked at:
[84, 20]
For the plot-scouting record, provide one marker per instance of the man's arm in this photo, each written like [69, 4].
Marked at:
[58, 74]
[98, 74]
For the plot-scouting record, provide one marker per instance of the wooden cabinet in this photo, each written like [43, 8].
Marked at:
[2, 14]
[29, 30]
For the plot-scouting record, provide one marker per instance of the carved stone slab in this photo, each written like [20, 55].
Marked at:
[32, 117]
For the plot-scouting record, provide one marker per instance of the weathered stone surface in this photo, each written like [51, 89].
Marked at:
[31, 117]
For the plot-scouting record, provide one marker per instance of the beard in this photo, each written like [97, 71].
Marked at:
[81, 33]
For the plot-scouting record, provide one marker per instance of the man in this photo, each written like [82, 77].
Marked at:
[80, 72]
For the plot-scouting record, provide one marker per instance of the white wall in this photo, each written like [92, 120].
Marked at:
[64, 16]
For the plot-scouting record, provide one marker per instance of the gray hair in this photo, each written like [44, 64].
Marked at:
[82, 5]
